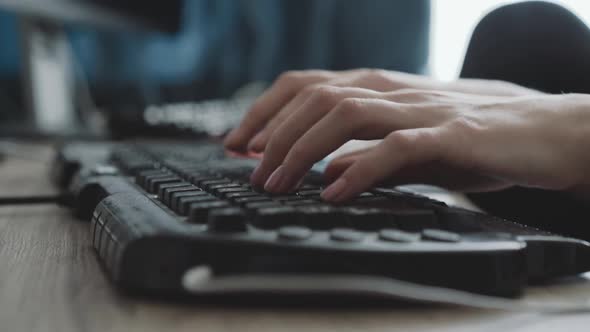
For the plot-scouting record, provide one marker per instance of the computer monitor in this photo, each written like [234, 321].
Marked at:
[48, 71]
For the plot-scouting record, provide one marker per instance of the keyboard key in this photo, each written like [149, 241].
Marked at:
[224, 185]
[313, 192]
[262, 205]
[199, 212]
[301, 202]
[154, 184]
[394, 235]
[171, 185]
[440, 235]
[244, 194]
[170, 191]
[141, 176]
[224, 191]
[346, 235]
[294, 233]
[368, 219]
[175, 197]
[185, 202]
[310, 187]
[145, 180]
[231, 219]
[287, 198]
[198, 178]
[205, 185]
[275, 217]
[415, 220]
[249, 199]
[321, 216]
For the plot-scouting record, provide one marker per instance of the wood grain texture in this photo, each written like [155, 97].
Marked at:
[50, 280]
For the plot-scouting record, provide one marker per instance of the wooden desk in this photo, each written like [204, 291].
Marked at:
[50, 281]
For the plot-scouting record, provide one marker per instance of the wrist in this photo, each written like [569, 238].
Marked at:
[490, 87]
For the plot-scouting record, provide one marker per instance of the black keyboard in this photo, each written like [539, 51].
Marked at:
[158, 210]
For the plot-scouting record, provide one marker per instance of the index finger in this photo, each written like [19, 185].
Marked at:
[269, 103]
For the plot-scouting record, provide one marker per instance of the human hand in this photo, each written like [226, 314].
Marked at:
[486, 142]
[292, 89]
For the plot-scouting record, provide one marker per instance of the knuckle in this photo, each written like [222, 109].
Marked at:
[324, 95]
[377, 73]
[400, 141]
[290, 77]
[465, 125]
[378, 78]
[348, 108]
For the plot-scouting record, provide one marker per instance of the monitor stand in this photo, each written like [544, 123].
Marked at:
[48, 78]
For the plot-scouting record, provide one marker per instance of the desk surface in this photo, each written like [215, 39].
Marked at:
[50, 281]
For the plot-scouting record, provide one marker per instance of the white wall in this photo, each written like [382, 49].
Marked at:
[453, 22]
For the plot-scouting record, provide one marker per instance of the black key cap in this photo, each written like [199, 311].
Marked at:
[244, 194]
[199, 178]
[164, 187]
[248, 199]
[313, 192]
[231, 219]
[185, 202]
[176, 196]
[205, 185]
[157, 184]
[275, 217]
[224, 185]
[213, 189]
[309, 187]
[225, 191]
[141, 176]
[287, 198]
[395, 235]
[168, 192]
[415, 220]
[302, 202]
[368, 219]
[145, 180]
[199, 212]
[440, 235]
[154, 184]
[346, 235]
[294, 233]
[320, 216]
[262, 205]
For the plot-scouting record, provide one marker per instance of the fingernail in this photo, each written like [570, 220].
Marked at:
[275, 180]
[334, 190]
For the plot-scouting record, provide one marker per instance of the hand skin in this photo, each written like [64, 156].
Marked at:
[292, 89]
[464, 141]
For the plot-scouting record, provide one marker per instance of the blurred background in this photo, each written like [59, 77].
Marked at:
[125, 80]
[453, 21]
